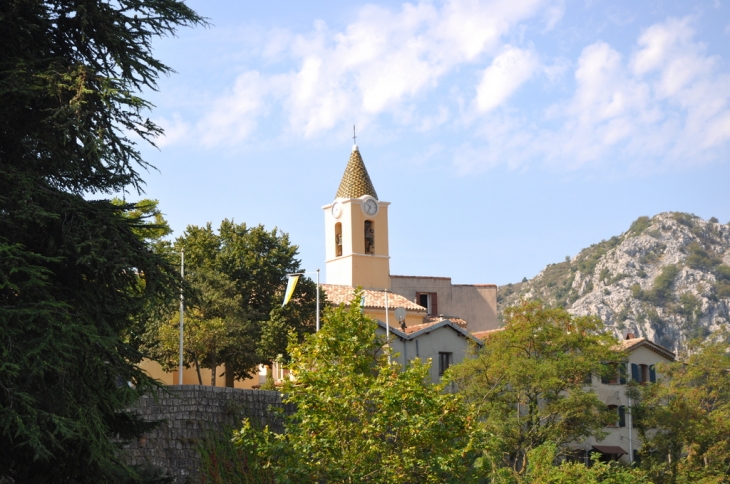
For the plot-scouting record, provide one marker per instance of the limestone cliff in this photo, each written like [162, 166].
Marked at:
[666, 278]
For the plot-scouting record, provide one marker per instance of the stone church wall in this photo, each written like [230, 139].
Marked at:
[191, 413]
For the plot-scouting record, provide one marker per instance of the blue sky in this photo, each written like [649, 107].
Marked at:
[506, 134]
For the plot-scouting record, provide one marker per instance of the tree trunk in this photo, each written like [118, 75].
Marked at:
[197, 370]
[213, 370]
[229, 377]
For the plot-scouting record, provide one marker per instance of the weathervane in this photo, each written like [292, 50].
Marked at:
[354, 138]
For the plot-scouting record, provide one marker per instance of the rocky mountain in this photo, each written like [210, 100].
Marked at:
[666, 278]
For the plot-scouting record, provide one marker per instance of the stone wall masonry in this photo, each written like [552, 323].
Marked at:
[190, 413]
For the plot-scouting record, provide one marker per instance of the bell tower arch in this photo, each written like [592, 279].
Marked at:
[356, 231]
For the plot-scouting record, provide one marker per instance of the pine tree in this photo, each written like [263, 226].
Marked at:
[73, 272]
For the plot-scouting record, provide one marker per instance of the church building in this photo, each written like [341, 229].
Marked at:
[427, 317]
[357, 254]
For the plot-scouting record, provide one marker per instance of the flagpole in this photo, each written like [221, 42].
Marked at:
[182, 308]
[387, 325]
[317, 299]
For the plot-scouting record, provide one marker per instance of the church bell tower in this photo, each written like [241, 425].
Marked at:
[356, 231]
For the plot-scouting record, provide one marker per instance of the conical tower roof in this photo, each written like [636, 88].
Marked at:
[356, 181]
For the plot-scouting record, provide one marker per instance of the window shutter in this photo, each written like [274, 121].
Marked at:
[635, 375]
[605, 379]
[652, 374]
[434, 305]
[622, 416]
[622, 374]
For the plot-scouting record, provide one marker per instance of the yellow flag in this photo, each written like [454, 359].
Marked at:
[290, 285]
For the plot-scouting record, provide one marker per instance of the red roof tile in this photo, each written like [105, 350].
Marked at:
[435, 319]
[483, 334]
[340, 294]
[630, 344]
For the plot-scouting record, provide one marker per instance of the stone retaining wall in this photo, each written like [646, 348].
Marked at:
[189, 414]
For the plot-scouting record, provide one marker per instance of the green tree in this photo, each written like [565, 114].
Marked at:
[148, 222]
[542, 470]
[359, 419]
[74, 275]
[684, 419]
[528, 383]
[238, 277]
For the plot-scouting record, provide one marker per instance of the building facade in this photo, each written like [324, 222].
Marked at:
[622, 442]
[357, 255]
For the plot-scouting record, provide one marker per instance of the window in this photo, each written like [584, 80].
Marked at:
[643, 373]
[369, 237]
[617, 375]
[429, 301]
[445, 360]
[338, 239]
[619, 416]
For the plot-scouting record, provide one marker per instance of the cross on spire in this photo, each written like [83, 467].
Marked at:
[354, 138]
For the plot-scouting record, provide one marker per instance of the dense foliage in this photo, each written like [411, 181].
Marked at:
[684, 420]
[543, 470]
[360, 419]
[528, 382]
[73, 272]
[237, 277]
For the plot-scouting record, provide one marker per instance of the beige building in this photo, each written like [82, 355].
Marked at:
[357, 254]
[444, 343]
[622, 442]
[474, 303]
[439, 315]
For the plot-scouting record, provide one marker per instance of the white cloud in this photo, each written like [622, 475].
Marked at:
[553, 15]
[384, 61]
[234, 116]
[662, 102]
[663, 106]
[508, 71]
[176, 129]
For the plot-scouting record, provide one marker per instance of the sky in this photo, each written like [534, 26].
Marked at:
[506, 134]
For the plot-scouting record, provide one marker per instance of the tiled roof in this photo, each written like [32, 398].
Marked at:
[356, 181]
[417, 330]
[419, 327]
[630, 344]
[435, 319]
[340, 294]
[483, 334]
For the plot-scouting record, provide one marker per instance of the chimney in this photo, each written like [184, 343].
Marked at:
[630, 336]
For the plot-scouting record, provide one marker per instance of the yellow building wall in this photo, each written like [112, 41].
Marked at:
[354, 267]
[412, 318]
[475, 303]
[190, 376]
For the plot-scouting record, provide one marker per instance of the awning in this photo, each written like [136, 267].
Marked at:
[610, 449]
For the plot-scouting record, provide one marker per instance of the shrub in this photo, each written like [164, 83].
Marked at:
[700, 259]
[639, 225]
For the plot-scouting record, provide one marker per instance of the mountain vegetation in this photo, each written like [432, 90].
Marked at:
[666, 278]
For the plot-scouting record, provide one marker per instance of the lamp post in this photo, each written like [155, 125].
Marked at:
[182, 308]
[387, 325]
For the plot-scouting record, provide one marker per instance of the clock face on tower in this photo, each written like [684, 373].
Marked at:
[370, 206]
[337, 210]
